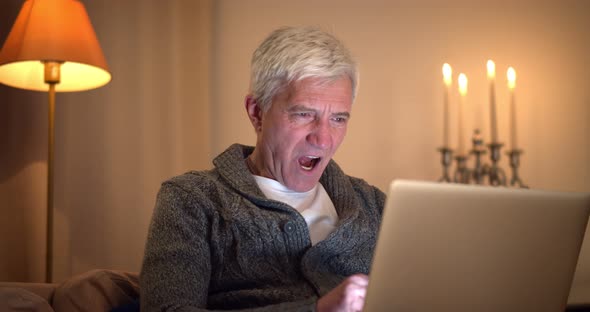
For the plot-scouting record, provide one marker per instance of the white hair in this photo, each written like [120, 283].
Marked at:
[291, 54]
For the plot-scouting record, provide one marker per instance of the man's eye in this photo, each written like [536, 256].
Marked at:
[303, 114]
[340, 119]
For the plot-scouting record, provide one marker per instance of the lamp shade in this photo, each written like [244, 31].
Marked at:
[53, 30]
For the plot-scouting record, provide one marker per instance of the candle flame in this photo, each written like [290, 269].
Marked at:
[491, 69]
[447, 74]
[511, 75]
[462, 84]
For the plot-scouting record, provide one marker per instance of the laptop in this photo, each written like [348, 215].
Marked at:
[452, 247]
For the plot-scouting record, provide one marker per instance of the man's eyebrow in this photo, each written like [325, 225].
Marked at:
[342, 114]
[299, 107]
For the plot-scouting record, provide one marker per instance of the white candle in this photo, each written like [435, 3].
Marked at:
[447, 79]
[463, 92]
[511, 75]
[491, 77]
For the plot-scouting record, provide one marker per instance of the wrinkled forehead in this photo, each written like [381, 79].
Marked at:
[317, 91]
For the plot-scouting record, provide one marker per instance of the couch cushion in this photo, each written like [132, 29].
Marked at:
[19, 299]
[96, 290]
[43, 290]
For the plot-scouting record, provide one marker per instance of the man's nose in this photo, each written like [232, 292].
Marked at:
[320, 136]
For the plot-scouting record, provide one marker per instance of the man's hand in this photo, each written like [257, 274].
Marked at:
[349, 296]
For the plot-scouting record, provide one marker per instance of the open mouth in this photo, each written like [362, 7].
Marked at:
[307, 163]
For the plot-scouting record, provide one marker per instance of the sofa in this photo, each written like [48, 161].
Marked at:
[109, 290]
[96, 290]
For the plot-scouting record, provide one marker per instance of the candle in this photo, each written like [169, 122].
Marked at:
[511, 75]
[447, 79]
[463, 91]
[491, 77]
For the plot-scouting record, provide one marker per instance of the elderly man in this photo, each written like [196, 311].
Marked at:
[278, 226]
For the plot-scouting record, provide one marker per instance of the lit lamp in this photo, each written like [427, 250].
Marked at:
[52, 47]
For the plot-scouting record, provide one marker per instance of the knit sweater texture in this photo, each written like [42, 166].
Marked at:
[216, 242]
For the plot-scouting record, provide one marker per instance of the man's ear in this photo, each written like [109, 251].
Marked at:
[254, 112]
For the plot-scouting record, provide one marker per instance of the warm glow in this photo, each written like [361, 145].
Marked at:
[447, 74]
[29, 75]
[491, 69]
[56, 30]
[511, 75]
[462, 84]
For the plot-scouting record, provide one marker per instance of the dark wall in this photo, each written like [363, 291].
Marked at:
[23, 142]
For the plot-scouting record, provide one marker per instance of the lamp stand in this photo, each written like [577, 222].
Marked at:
[45, 35]
[52, 77]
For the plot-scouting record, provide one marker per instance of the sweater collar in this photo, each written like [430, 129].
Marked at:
[232, 167]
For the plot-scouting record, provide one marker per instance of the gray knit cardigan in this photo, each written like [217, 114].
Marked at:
[216, 242]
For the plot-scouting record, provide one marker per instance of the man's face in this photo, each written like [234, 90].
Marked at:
[299, 134]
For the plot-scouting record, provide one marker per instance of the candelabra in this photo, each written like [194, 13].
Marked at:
[480, 170]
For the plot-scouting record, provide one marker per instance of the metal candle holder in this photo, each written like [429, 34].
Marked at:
[446, 159]
[462, 173]
[477, 175]
[514, 156]
[496, 175]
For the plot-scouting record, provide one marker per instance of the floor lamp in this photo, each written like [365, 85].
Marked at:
[52, 47]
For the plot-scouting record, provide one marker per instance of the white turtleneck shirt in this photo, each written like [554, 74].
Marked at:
[315, 206]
